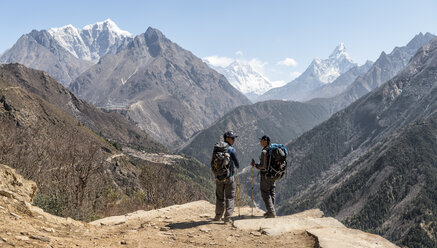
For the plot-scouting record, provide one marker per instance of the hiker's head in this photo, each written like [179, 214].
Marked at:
[229, 137]
[264, 141]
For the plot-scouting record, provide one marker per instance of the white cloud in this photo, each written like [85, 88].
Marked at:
[288, 62]
[219, 61]
[239, 53]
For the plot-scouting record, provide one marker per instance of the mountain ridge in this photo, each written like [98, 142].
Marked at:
[93, 41]
[318, 73]
[163, 88]
[332, 162]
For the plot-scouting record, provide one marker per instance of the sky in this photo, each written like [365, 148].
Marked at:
[279, 38]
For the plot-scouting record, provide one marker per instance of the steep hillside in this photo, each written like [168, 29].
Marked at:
[367, 163]
[82, 175]
[112, 127]
[281, 120]
[166, 90]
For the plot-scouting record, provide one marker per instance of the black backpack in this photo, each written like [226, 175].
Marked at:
[277, 155]
[220, 161]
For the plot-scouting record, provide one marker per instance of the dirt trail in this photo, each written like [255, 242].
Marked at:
[191, 226]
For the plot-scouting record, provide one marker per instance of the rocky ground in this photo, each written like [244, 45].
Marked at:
[188, 225]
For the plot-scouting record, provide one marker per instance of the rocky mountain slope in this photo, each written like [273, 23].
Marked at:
[373, 164]
[281, 120]
[112, 127]
[39, 50]
[291, 123]
[318, 73]
[164, 89]
[187, 225]
[80, 173]
[93, 41]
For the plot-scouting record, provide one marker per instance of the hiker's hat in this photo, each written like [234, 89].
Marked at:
[229, 134]
[265, 137]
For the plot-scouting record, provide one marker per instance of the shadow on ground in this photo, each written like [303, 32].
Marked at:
[192, 224]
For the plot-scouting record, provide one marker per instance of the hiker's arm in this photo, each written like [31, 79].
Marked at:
[235, 159]
[262, 161]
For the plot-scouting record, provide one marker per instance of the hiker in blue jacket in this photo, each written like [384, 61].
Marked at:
[267, 184]
[225, 188]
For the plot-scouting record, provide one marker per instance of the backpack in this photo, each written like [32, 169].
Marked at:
[221, 160]
[277, 165]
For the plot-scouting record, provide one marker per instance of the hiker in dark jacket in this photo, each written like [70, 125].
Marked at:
[267, 184]
[225, 188]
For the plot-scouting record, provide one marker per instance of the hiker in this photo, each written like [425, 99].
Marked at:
[267, 184]
[225, 182]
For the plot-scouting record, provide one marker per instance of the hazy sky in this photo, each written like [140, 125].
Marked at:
[263, 33]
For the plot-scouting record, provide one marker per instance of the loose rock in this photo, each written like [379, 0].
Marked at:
[16, 216]
[23, 238]
[40, 238]
[164, 228]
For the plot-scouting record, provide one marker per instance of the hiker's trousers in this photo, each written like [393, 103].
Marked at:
[267, 187]
[225, 195]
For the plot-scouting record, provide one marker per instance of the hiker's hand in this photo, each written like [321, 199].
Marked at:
[252, 162]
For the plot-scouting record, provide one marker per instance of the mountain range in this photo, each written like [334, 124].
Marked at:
[286, 120]
[164, 89]
[385, 67]
[363, 151]
[39, 50]
[318, 73]
[66, 52]
[373, 164]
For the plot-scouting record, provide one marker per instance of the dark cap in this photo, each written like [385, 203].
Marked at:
[229, 134]
[266, 138]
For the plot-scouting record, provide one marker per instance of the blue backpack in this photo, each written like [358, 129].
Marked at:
[277, 165]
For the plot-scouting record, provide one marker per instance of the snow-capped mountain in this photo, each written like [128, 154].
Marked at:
[244, 78]
[318, 73]
[328, 70]
[92, 41]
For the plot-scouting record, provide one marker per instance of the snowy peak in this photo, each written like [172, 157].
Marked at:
[340, 53]
[244, 77]
[92, 41]
[327, 70]
[107, 25]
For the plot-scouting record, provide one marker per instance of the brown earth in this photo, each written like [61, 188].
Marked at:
[187, 225]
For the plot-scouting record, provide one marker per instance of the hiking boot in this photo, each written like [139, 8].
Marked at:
[269, 215]
[227, 220]
[217, 218]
